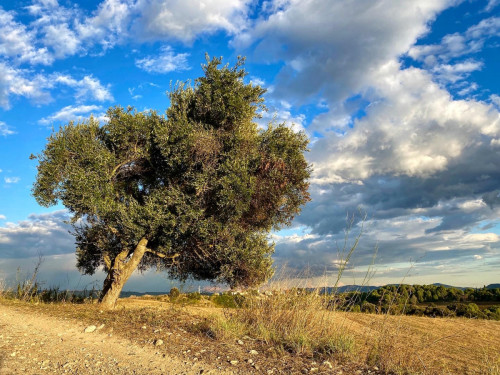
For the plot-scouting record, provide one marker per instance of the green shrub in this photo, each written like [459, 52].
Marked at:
[228, 300]
[194, 297]
[174, 293]
[368, 307]
[415, 310]
[493, 313]
[470, 310]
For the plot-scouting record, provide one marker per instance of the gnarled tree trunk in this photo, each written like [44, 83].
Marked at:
[119, 272]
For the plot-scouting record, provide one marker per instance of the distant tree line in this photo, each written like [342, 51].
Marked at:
[422, 300]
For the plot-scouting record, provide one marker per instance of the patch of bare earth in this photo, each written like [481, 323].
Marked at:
[32, 342]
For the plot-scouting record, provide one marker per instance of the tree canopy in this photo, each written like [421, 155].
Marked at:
[194, 193]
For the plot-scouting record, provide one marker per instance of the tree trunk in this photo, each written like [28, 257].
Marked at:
[119, 273]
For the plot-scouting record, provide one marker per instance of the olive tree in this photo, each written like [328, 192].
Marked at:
[194, 193]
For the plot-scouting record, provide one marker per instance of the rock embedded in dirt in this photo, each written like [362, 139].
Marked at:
[90, 329]
[253, 352]
[158, 342]
[240, 342]
[234, 362]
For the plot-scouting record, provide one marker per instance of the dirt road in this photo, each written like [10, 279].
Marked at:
[38, 344]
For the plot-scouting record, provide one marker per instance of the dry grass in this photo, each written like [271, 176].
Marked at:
[396, 344]
[3, 288]
[292, 321]
[421, 345]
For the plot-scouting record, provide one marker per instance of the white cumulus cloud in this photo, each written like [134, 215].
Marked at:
[185, 19]
[37, 86]
[18, 43]
[74, 113]
[416, 129]
[456, 45]
[40, 233]
[166, 61]
[5, 130]
[108, 25]
[11, 180]
[336, 48]
[86, 88]
[492, 4]
[58, 30]
[20, 82]
[61, 39]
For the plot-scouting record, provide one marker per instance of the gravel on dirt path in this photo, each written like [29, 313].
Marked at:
[38, 344]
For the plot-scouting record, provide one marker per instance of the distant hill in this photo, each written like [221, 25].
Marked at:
[450, 286]
[356, 288]
[493, 286]
[129, 293]
[346, 289]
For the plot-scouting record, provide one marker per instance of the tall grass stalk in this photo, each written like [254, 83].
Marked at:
[3, 288]
[29, 289]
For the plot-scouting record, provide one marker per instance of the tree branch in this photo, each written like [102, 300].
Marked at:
[161, 255]
[115, 169]
[107, 260]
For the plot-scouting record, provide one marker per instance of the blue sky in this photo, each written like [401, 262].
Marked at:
[400, 99]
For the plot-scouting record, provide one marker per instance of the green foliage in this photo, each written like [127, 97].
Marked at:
[185, 298]
[368, 307]
[194, 296]
[202, 185]
[228, 300]
[422, 300]
[174, 293]
[493, 312]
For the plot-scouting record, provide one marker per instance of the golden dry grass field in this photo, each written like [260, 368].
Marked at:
[381, 344]
[400, 344]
